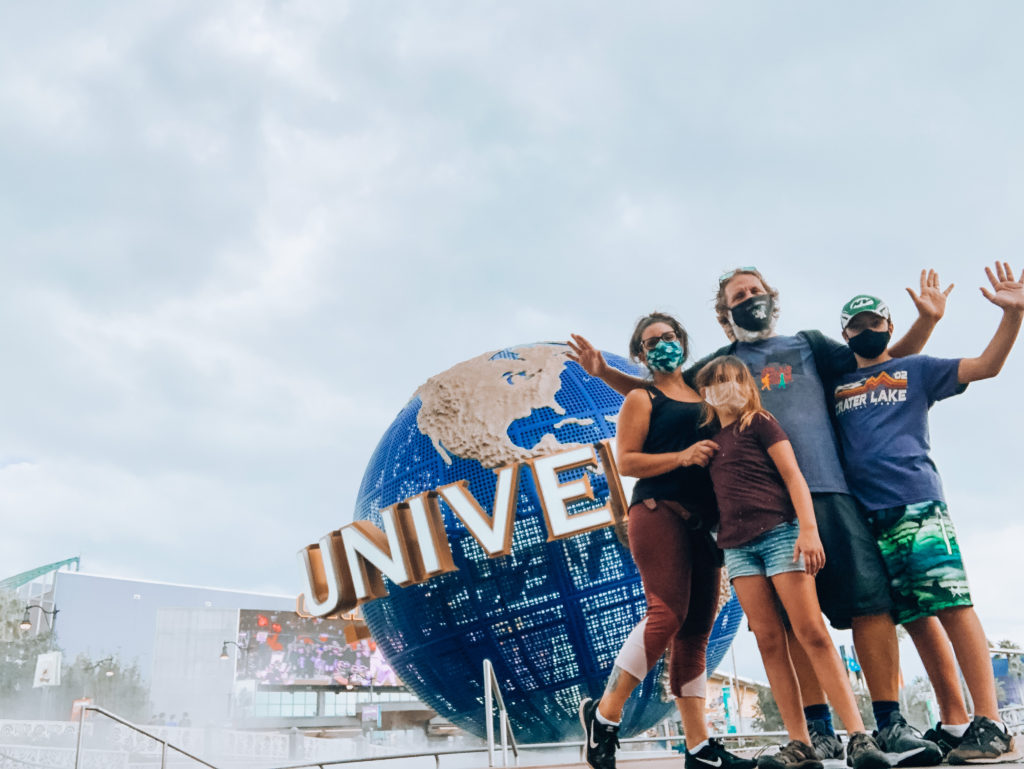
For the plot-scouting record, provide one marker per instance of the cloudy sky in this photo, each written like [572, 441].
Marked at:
[237, 236]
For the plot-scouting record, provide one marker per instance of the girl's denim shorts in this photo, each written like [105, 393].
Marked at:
[767, 555]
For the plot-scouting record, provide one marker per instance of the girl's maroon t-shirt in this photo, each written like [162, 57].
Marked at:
[752, 497]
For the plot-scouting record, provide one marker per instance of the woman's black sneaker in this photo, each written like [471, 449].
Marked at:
[793, 755]
[601, 739]
[715, 756]
[984, 742]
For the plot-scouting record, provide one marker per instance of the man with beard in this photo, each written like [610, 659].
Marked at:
[795, 375]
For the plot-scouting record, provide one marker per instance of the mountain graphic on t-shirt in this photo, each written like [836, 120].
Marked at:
[871, 383]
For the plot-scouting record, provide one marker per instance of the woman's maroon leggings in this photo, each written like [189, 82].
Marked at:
[681, 581]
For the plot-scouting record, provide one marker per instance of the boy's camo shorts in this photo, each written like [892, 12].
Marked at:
[922, 556]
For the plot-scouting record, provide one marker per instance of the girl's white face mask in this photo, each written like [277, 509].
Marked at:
[725, 395]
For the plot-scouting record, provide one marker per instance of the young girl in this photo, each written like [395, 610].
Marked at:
[770, 538]
[659, 442]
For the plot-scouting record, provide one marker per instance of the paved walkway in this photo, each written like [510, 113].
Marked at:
[672, 762]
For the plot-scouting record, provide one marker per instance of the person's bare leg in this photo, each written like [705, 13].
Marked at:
[936, 653]
[811, 692]
[878, 651]
[796, 590]
[758, 602]
[620, 685]
[971, 648]
[691, 710]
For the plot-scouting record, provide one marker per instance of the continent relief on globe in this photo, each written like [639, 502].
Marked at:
[466, 412]
[468, 409]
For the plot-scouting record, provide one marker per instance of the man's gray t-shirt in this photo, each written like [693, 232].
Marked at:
[787, 379]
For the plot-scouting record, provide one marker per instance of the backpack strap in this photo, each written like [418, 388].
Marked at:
[820, 351]
[827, 368]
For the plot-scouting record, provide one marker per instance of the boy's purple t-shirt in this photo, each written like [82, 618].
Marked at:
[883, 419]
[752, 497]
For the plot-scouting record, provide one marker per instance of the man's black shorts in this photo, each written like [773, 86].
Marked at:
[854, 582]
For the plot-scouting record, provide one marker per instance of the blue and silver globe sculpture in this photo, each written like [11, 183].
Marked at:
[551, 616]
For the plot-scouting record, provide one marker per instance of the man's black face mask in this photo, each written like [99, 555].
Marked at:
[755, 313]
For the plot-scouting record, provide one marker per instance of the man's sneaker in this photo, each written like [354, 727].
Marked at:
[984, 742]
[862, 752]
[907, 744]
[602, 739]
[794, 755]
[715, 755]
[824, 741]
[943, 739]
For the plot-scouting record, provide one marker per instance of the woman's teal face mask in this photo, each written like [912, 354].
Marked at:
[666, 357]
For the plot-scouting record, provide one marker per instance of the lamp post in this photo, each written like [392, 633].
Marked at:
[91, 667]
[26, 625]
[224, 650]
[244, 651]
[26, 621]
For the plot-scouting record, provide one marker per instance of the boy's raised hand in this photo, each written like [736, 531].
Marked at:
[1006, 293]
[931, 302]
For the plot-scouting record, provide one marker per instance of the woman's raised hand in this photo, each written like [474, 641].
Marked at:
[699, 453]
[588, 356]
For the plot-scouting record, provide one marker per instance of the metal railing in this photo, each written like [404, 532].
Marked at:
[164, 744]
[492, 691]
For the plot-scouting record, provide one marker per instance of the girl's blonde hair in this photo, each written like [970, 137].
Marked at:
[724, 368]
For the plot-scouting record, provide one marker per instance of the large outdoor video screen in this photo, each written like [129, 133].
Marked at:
[282, 648]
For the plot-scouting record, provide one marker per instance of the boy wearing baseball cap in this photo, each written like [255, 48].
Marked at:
[882, 412]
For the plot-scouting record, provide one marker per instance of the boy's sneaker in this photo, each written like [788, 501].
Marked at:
[863, 752]
[601, 739]
[909, 747]
[984, 742]
[794, 755]
[943, 739]
[824, 741]
[715, 755]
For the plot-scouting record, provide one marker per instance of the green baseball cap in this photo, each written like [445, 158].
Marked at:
[863, 303]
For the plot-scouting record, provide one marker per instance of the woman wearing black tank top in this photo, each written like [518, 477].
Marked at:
[659, 442]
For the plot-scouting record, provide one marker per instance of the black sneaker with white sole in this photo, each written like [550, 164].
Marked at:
[793, 755]
[824, 740]
[715, 756]
[943, 739]
[602, 739]
[863, 752]
[907, 744]
[984, 742]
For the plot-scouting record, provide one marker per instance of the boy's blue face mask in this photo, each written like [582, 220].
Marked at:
[869, 344]
[666, 357]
